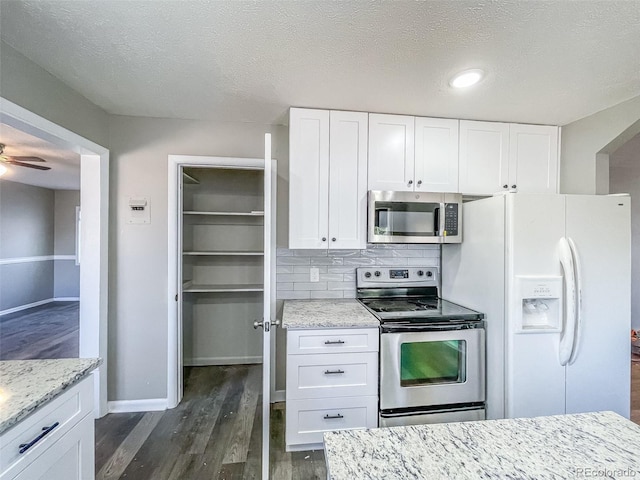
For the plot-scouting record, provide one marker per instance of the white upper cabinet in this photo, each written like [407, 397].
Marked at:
[348, 180]
[496, 157]
[327, 179]
[308, 178]
[533, 158]
[436, 157]
[484, 157]
[391, 154]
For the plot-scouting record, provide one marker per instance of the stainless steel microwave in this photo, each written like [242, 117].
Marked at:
[414, 217]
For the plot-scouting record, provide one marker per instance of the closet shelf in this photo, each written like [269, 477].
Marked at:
[225, 253]
[189, 287]
[226, 214]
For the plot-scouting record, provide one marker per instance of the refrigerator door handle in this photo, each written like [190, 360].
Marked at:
[568, 334]
[578, 313]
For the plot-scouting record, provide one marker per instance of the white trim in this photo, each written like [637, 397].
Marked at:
[278, 396]
[24, 307]
[94, 192]
[66, 299]
[40, 258]
[144, 405]
[204, 361]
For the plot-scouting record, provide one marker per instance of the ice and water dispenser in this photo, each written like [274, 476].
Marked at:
[538, 304]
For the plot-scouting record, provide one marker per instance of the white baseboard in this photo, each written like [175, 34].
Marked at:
[145, 405]
[278, 396]
[24, 307]
[66, 299]
[205, 361]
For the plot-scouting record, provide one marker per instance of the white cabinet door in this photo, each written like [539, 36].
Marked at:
[484, 157]
[348, 180]
[533, 158]
[70, 458]
[436, 158]
[391, 154]
[308, 178]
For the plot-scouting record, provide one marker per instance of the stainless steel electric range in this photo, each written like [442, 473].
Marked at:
[432, 352]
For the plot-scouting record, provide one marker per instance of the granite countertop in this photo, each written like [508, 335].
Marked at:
[339, 313]
[26, 385]
[601, 444]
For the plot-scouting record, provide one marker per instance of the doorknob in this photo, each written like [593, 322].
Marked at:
[257, 324]
[276, 323]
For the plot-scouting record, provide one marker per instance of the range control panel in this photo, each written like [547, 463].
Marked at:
[374, 277]
[451, 219]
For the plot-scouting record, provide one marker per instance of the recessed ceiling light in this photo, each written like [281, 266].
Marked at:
[467, 78]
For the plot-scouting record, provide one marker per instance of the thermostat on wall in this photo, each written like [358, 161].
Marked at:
[139, 211]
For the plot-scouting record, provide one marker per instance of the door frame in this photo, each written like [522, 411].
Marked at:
[94, 200]
[174, 292]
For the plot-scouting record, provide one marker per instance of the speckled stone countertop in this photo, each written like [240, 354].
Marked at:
[26, 385]
[601, 444]
[339, 313]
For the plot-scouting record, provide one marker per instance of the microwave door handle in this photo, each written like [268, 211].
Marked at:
[441, 216]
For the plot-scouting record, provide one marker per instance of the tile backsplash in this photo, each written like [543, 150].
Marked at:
[338, 268]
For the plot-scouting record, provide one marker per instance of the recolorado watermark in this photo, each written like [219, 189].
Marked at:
[600, 472]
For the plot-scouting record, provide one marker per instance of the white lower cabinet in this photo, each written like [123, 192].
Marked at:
[65, 451]
[331, 385]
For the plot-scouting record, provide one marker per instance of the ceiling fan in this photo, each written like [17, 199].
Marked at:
[20, 161]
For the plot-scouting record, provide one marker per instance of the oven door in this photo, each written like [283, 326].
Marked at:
[426, 368]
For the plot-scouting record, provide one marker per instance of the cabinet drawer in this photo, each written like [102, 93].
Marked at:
[336, 340]
[67, 410]
[307, 420]
[332, 375]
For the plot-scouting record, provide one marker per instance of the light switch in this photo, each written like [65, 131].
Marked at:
[314, 274]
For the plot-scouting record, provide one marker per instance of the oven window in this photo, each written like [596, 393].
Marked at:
[427, 363]
[406, 219]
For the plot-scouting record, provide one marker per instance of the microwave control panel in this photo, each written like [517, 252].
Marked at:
[451, 218]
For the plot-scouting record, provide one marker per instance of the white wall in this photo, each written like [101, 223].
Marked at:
[624, 177]
[66, 272]
[138, 276]
[584, 139]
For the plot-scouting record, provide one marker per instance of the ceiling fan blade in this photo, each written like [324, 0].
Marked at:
[26, 159]
[20, 164]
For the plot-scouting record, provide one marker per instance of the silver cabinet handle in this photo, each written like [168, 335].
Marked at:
[330, 417]
[333, 372]
[333, 342]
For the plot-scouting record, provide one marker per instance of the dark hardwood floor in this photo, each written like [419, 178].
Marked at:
[635, 392]
[47, 331]
[215, 433]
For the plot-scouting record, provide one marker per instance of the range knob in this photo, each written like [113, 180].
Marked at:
[429, 274]
[377, 273]
[367, 274]
[420, 273]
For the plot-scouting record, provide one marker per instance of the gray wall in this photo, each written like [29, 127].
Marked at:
[584, 139]
[30, 86]
[26, 230]
[626, 179]
[37, 222]
[138, 269]
[66, 272]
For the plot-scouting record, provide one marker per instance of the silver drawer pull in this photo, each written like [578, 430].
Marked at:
[333, 372]
[45, 431]
[332, 417]
[334, 342]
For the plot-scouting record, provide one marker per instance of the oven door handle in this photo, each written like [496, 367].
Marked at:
[431, 327]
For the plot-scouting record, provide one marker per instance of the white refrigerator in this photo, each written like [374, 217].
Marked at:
[552, 273]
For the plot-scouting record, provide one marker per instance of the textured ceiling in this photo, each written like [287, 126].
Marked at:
[65, 164]
[549, 61]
